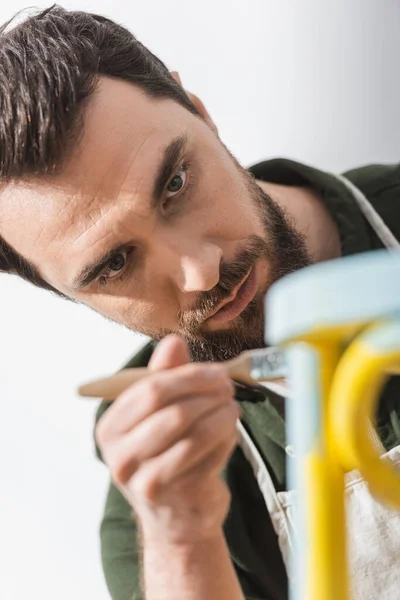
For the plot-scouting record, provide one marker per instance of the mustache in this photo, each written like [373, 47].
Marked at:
[231, 275]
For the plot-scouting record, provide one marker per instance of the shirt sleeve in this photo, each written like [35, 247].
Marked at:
[120, 552]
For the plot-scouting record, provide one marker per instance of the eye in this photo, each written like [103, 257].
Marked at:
[114, 267]
[177, 183]
[117, 263]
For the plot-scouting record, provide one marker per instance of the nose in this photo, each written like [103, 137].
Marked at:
[199, 270]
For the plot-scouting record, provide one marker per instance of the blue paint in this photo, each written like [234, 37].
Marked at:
[303, 427]
[384, 337]
[346, 290]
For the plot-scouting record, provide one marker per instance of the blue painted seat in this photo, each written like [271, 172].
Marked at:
[347, 292]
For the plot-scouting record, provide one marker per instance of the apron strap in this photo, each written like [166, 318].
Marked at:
[264, 480]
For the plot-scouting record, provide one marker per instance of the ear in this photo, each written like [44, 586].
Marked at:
[197, 103]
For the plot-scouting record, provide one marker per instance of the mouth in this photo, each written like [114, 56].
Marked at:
[237, 301]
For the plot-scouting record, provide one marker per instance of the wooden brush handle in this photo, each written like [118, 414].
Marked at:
[109, 388]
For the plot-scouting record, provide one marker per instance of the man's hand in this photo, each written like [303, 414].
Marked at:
[166, 440]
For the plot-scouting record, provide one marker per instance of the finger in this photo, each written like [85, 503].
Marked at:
[204, 460]
[186, 462]
[162, 430]
[200, 459]
[218, 425]
[212, 464]
[150, 395]
[171, 352]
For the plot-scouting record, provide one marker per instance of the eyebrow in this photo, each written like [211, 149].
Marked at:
[169, 162]
[170, 158]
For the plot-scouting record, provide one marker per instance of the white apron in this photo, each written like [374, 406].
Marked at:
[373, 529]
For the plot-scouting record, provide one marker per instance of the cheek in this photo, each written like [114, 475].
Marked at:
[233, 219]
[146, 312]
[228, 207]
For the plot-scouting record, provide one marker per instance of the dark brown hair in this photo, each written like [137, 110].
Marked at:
[49, 66]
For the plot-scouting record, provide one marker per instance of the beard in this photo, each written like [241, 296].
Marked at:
[282, 246]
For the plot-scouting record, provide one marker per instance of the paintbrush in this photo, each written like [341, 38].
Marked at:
[250, 367]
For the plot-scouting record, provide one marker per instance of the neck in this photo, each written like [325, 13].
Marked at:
[310, 216]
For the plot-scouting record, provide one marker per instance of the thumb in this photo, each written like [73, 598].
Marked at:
[171, 352]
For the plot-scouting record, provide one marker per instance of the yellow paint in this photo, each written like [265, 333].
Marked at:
[326, 561]
[350, 381]
[325, 333]
[327, 565]
[361, 374]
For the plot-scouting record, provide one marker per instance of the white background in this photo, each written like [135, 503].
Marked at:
[310, 80]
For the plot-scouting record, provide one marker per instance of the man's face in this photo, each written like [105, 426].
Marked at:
[153, 224]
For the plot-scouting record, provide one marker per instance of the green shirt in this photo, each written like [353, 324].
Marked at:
[248, 529]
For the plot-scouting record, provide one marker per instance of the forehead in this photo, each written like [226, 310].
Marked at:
[124, 135]
[121, 126]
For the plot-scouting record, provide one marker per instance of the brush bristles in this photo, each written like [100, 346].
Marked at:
[267, 363]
